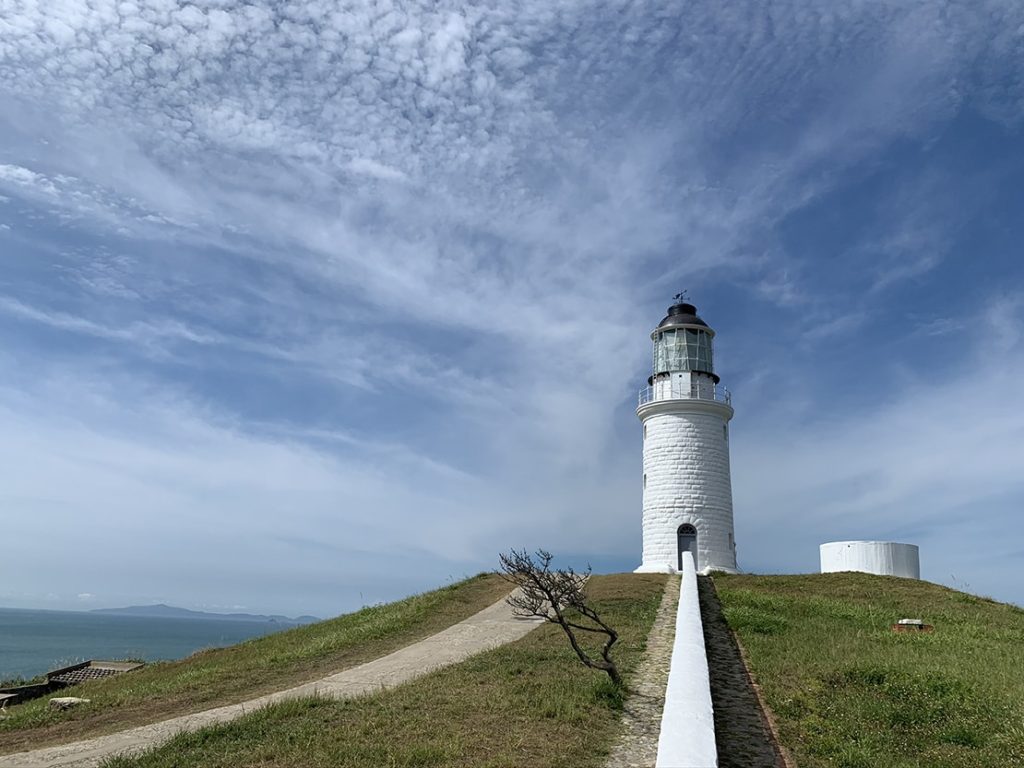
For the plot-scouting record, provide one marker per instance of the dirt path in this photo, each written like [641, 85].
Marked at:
[641, 716]
[487, 629]
[741, 732]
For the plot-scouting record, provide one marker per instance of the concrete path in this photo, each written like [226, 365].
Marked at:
[487, 629]
[641, 716]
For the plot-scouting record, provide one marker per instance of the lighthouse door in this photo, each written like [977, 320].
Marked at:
[687, 543]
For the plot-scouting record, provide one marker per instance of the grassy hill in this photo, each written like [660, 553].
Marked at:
[261, 665]
[845, 691]
[848, 692]
[526, 703]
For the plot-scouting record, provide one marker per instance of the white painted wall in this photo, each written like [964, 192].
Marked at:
[686, 480]
[687, 737]
[886, 558]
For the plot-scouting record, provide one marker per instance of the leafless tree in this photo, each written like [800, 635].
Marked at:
[557, 595]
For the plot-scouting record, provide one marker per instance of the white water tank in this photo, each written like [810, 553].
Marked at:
[885, 558]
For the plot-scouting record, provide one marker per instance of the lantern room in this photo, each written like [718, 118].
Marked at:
[683, 342]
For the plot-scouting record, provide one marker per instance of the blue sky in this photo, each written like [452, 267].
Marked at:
[310, 305]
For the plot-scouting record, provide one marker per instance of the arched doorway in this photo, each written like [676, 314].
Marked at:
[687, 536]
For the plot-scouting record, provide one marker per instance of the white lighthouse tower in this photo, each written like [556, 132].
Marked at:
[687, 491]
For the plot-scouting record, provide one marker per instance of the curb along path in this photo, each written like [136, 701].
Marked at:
[638, 745]
[687, 738]
[490, 628]
[744, 739]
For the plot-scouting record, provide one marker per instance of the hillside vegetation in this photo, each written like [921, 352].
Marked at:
[226, 675]
[529, 703]
[848, 692]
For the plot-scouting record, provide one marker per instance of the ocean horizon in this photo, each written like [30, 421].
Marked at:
[33, 642]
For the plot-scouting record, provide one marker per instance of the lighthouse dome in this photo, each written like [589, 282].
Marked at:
[681, 314]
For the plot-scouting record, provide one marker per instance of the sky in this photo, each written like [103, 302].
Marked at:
[306, 306]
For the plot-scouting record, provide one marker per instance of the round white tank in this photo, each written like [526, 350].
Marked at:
[886, 558]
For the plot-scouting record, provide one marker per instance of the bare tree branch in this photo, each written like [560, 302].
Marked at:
[548, 593]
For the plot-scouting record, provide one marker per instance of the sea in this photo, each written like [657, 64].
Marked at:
[34, 642]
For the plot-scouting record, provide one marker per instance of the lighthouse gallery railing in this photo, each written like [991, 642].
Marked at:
[684, 391]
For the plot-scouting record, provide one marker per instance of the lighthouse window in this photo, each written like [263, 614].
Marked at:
[725, 431]
[682, 349]
[645, 481]
[692, 342]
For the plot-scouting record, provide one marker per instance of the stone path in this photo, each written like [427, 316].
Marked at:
[638, 745]
[741, 731]
[488, 629]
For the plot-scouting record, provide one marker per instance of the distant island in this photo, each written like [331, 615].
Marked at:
[161, 611]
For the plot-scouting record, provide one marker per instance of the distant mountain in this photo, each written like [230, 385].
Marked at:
[161, 611]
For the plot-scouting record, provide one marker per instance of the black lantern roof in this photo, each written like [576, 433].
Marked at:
[681, 313]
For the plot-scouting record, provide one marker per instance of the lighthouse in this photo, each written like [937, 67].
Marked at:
[687, 490]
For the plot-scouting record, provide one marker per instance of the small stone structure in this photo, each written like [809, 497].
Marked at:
[65, 676]
[66, 702]
[884, 558]
[90, 670]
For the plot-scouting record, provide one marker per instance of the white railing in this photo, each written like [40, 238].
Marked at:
[673, 390]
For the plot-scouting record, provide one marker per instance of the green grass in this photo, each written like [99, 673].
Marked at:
[528, 703]
[225, 675]
[14, 682]
[848, 692]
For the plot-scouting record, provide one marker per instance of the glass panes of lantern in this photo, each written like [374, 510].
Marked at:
[682, 349]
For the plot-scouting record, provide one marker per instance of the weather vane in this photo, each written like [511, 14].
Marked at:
[681, 296]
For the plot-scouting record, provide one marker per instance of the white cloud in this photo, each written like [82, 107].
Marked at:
[161, 486]
[144, 333]
[17, 176]
[370, 168]
[1005, 324]
[927, 461]
[467, 205]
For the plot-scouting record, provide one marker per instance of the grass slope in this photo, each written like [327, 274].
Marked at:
[848, 692]
[527, 703]
[226, 675]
